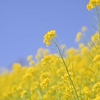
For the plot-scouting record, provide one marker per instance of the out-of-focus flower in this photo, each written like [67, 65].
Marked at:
[30, 57]
[31, 62]
[96, 58]
[84, 29]
[78, 37]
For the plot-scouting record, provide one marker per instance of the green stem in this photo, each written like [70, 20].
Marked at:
[98, 15]
[66, 69]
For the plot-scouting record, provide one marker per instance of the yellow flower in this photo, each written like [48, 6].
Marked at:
[95, 37]
[46, 52]
[92, 4]
[31, 63]
[45, 83]
[44, 75]
[93, 1]
[86, 91]
[48, 43]
[14, 89]
[38, 56]
[16, 66]
[98, 2]
[78, 37]
[23, 94]
[84, 28]
[81, 45]
[28, 77]
[29, 58]
[96, 87]
[84, 50]
[49, 36]
[96, 58]
[47, 59]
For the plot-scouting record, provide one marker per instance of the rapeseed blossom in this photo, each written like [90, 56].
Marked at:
[93, 4]
[49, 36]
[29, 58]
[78, 37]
[96, 58]
[84, 29]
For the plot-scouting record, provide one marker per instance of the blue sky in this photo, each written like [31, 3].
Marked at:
[23, 24]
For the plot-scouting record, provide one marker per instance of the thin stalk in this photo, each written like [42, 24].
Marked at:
[98, 16]
[67, 70]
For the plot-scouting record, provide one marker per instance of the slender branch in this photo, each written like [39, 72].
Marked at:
[67, 70]
[98, 15]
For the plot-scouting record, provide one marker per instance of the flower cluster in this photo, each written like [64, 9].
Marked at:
[49, 36]
[92, 4]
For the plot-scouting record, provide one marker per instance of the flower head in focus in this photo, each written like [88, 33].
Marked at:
[93, 4]
[49, 36]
